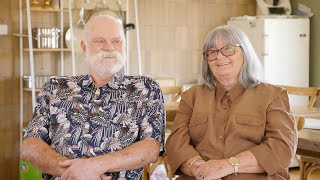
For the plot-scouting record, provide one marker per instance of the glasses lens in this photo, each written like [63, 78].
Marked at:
[228, 50]
[211, 55]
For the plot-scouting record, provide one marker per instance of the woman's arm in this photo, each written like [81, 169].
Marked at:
[188, 165]
[248, 163]
[280, 142]
[179, 148]
[214, 169]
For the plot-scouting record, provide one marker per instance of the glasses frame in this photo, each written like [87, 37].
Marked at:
[219, 50]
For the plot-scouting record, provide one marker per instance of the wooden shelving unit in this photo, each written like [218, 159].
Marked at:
[48, 49]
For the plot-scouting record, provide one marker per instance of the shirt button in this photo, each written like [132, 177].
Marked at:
[220, 136]
[219, 153]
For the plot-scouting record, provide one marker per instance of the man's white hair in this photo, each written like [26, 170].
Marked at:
[108, 15]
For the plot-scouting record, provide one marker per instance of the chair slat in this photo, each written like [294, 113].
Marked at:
[312, 92]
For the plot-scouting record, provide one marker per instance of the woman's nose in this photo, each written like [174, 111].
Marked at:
[220, 55]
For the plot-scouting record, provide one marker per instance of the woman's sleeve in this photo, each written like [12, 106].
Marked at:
[280, 142]
[178, 145]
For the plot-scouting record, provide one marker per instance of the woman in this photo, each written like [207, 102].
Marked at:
[233, 126]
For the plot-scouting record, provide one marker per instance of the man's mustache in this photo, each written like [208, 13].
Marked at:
[108, 54]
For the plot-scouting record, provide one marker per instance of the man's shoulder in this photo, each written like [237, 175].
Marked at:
[138, 77]
[146, 80]
[65, 79]
[68, 81]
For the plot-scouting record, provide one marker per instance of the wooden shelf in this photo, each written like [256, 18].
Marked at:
[48, 49]
[28, 89]
[54, 10]
[40, 9]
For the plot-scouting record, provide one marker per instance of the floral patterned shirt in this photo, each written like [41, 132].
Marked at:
[79, 120]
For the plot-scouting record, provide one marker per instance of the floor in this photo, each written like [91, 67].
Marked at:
[295, 174]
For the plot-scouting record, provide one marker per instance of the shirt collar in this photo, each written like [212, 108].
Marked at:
[86, 81]
[234, 92]
[114, 82]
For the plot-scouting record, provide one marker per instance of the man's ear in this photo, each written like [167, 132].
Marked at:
[83, 47]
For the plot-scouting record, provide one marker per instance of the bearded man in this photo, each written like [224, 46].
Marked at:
[102, 125]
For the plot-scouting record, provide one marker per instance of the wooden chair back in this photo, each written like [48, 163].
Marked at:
[312, 92]
[308, 139]
[173, 91]
[172, 95]
[170, 90]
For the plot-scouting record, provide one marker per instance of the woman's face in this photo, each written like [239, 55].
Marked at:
[226, 68]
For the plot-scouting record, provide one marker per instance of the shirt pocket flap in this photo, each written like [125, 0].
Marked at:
[249, 120]
[198, 119]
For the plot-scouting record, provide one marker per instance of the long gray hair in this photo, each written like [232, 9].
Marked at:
[249, 74]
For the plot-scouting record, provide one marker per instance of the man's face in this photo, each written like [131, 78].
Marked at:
[104, 48]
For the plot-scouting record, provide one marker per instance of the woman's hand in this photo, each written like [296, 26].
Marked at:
[195, 168]
[212, 169]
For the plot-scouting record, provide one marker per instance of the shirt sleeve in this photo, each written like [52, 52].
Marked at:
[178, 145]
[153, 123]
[279, 146]
[39, 125]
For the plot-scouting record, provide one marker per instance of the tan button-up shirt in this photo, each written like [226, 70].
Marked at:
[220, 124]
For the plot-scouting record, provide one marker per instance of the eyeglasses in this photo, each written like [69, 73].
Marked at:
[228, 50]
[102, 42]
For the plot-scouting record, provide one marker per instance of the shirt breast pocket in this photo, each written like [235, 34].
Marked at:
[251, 127]
[198, 127]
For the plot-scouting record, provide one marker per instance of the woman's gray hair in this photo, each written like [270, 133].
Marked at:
[249, 74]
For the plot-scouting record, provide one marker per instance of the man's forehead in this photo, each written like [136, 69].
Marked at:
[102, 21]
[103, 29]
[103, 35]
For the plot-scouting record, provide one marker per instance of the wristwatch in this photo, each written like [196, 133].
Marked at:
[233, 161]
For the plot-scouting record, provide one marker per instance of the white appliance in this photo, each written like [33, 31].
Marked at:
[282, 44]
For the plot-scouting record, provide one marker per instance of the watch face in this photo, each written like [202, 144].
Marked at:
[234, 161]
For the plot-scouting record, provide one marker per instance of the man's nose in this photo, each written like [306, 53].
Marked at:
[108, 46]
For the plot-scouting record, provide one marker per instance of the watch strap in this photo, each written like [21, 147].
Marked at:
[236, 169]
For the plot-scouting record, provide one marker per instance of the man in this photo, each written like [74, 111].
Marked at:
[98, 126]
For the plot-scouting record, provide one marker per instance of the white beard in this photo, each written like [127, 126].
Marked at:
[105, 63]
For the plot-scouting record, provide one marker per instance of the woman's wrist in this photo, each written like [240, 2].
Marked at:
[193, 161]
[195, 167]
